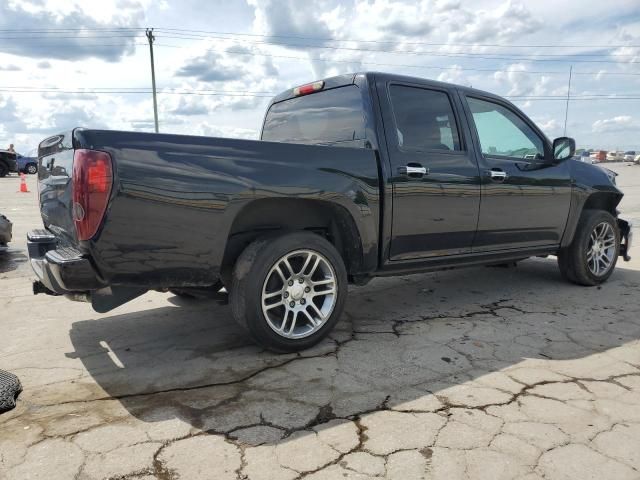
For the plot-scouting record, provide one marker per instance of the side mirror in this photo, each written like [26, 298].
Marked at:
[563, 148]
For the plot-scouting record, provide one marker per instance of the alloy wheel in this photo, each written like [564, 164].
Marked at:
[601, 249]
[299, 293]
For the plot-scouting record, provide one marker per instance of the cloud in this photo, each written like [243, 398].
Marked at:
[454, 75]
[10, 68]
[209, 130]
[282, 18]
[10, 120]
[212, 66]
[73, 43]
[620, 123]
[550, 126]
[69, 96]
[520, 82]
[239, 70]
[189, 107]
[44, 64]
[509, 21]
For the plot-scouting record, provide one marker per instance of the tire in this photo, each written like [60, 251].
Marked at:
[4, 170]
[316, 284]
[10, 388]
[578, 261]
[31, 169]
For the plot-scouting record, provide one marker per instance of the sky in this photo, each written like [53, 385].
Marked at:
[65, 63]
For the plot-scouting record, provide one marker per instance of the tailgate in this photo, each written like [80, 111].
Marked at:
[55, 169]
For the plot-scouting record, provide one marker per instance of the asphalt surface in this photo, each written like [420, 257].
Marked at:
[481, 373]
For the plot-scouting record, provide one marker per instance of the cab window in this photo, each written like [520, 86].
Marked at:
[330, 117]
[424, 119]
[502, 133]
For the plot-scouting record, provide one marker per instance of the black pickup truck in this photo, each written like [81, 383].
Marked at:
[355, 176]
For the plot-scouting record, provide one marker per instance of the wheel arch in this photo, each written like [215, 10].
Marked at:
[605, 200]
[269, 215]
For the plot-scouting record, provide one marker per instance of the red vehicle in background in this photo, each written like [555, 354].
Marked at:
[599, 156]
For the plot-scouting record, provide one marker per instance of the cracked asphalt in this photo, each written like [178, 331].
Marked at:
[497, 373]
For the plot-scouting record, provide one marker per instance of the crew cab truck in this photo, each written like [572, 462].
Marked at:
[354, 177]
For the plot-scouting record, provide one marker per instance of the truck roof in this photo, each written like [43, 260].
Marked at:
[351, 78]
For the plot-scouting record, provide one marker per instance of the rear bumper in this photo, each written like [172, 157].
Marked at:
[62, 270]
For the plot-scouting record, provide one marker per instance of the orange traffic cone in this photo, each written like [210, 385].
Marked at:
[23, 183]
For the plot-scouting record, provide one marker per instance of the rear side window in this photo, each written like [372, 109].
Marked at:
[424, 119]
[323, 118]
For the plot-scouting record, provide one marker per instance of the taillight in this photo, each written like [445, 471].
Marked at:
[92, 181]
[309, 88]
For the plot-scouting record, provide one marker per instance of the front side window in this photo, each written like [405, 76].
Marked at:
[424, 119]
[502, 133]
[328, 117]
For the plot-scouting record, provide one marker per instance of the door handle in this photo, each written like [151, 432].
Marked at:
[497, 174]
[415, 170]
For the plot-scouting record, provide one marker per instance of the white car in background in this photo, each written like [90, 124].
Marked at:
[637, 160]
[629, 156]
[583, 159]
[614, 156]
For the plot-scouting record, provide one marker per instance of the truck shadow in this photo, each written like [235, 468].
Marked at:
[11, 259]
[403, 342]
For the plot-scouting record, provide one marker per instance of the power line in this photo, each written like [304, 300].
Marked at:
[130, 89]
[301, 37]
[396, 52]
[193, 36]
[480, 55]
[80, 29]
[140, 91]
[435, 67]
[84, 47]
[324, 39]
[74, 37]
[133, 90]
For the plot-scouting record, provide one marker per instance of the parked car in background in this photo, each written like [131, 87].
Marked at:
[5, 232]
[630, 156]
[582, 158]
[28, 163]
[7, 162]
[614, 156]
[599, 156]
[355, 176]
[637, 160]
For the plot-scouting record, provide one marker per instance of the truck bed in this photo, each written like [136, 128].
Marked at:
[175, 198]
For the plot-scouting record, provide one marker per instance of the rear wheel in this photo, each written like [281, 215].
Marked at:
[3, 169]
[289, 290]
[32, 168]
[592, 256]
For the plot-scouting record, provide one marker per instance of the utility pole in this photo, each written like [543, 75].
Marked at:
[566, 110]
[151, 38]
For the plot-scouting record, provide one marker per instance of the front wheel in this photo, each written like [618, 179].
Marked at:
[32, 169]
[592, 256]
[289, 290]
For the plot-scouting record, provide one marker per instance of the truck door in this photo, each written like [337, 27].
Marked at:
[434, 175]
[523, 205]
